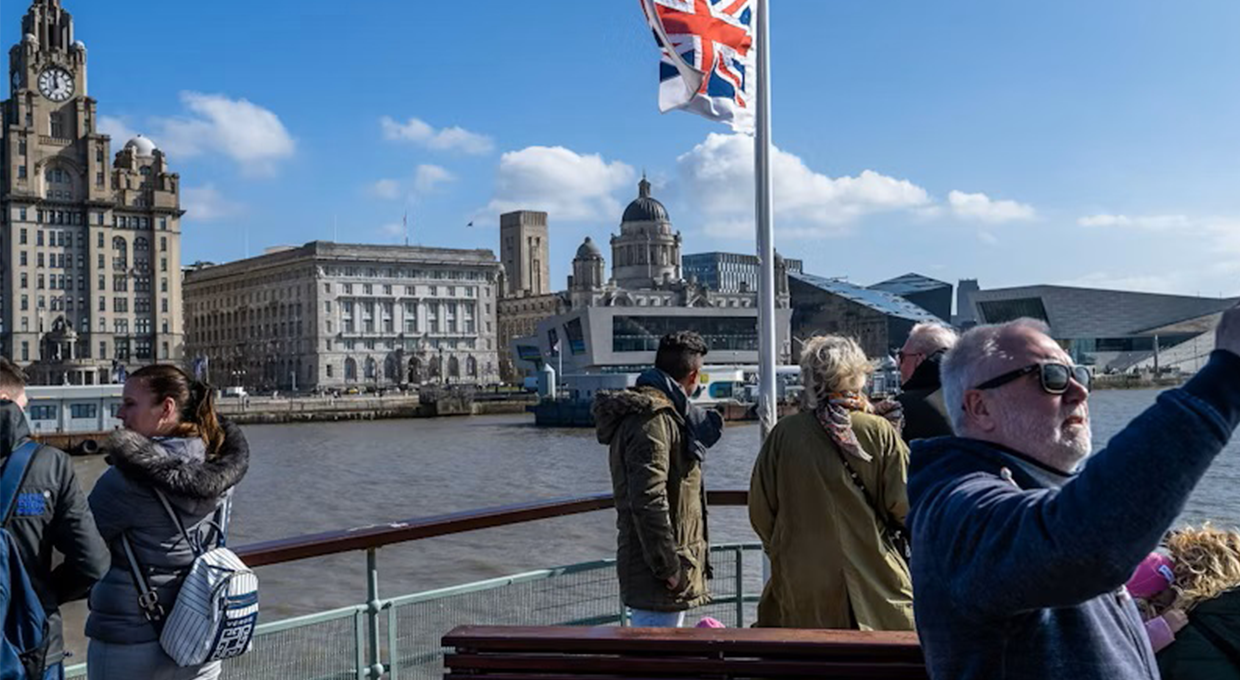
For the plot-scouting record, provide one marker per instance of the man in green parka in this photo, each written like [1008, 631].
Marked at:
[658, 441]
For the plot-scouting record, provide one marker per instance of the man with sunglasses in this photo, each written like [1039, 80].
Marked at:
[925, 414]
[1019, 553]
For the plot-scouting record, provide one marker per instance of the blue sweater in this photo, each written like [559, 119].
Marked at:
[1014, 579]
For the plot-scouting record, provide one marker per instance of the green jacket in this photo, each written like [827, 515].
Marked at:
[660, 504]
[830, 566]
[1208, 648]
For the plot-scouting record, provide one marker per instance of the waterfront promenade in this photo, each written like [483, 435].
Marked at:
[299, 409]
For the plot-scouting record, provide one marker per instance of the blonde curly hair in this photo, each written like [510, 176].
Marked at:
[1207, 564]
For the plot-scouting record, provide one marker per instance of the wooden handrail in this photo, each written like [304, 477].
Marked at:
[379, 535]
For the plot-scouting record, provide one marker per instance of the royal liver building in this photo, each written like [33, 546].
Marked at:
[89, 243]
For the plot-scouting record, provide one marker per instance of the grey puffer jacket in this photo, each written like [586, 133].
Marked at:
[124, 502]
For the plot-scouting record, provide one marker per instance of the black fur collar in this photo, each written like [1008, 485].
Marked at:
[146, 462]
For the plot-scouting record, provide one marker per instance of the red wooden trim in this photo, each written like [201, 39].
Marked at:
[375, 536]
[889, 645]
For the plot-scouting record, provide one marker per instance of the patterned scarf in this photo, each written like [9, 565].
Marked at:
[833, 413]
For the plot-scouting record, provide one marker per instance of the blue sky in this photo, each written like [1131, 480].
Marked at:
[1053, 142]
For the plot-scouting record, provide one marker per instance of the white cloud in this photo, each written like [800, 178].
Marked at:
[117, 129]
[447, 139]
[386, 188]
[1151, 222]
[247, 133]
[206, 203]
[718, 176]
[568, 185]
[428, 177]
[394, 230]
[982, 208]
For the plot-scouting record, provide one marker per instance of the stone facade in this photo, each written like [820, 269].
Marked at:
[646, 252]
[651, 297]
[523, 252]
[519, 317]
[90, 251]
[331, 316]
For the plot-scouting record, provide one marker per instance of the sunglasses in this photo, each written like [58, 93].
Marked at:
[1054, 377]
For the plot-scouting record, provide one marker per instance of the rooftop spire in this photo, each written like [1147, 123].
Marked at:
[643, 187]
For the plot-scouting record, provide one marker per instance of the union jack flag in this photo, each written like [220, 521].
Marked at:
[708, 58]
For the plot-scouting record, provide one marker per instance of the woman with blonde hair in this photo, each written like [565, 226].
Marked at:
[827, 493]
[1193, 606]
[174, 466]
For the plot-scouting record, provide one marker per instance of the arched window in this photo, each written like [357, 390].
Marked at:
[370, 368]
[471, 367]
[350, 370]
[415, 371]
[391, 370]
[454, 367]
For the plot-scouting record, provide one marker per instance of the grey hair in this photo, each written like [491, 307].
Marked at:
[929, 337]
[832, 363]
[973, 352]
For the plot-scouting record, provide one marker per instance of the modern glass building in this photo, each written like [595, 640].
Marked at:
[621, 339]
[727, 272]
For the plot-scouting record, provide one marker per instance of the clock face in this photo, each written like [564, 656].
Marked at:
[56, 84]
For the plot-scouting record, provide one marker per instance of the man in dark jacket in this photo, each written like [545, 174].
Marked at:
[1021, 559]
[922, 394]
[658, 441]
[51, 515]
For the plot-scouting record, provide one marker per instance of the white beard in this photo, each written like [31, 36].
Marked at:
[1047, 441]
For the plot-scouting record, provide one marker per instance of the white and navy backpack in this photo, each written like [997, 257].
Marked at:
[217, 609]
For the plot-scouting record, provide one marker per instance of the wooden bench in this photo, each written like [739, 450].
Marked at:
[610, 653]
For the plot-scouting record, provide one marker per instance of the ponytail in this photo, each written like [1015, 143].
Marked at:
[195, 402]
[203, 406]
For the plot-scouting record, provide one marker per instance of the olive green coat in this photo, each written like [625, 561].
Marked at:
[660, 505]
[830, 566]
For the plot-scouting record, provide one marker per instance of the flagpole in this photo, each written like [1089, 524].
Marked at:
[767, 339]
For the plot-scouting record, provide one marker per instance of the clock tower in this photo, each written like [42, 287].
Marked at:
[89, 250]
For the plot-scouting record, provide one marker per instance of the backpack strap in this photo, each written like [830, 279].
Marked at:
[13, 476]
[148, 599]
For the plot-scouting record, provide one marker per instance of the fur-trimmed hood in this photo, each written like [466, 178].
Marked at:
[151, 463]
[611, 408]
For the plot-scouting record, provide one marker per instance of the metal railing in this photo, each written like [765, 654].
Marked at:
[399, 637]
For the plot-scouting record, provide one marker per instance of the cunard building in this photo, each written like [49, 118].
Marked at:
[89, 242]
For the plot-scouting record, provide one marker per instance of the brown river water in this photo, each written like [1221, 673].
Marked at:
[308, 478]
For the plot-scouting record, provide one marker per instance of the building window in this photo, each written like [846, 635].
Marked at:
[21, 237]
[83, 410]
[56, 125]
[163, 244]
[25, 281]
[163, 305]
[21, 172]
[25, 349]
[329, 366]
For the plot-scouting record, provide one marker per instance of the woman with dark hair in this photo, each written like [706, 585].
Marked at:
[175, 445]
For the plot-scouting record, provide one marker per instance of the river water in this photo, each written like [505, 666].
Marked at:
[309, 478]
